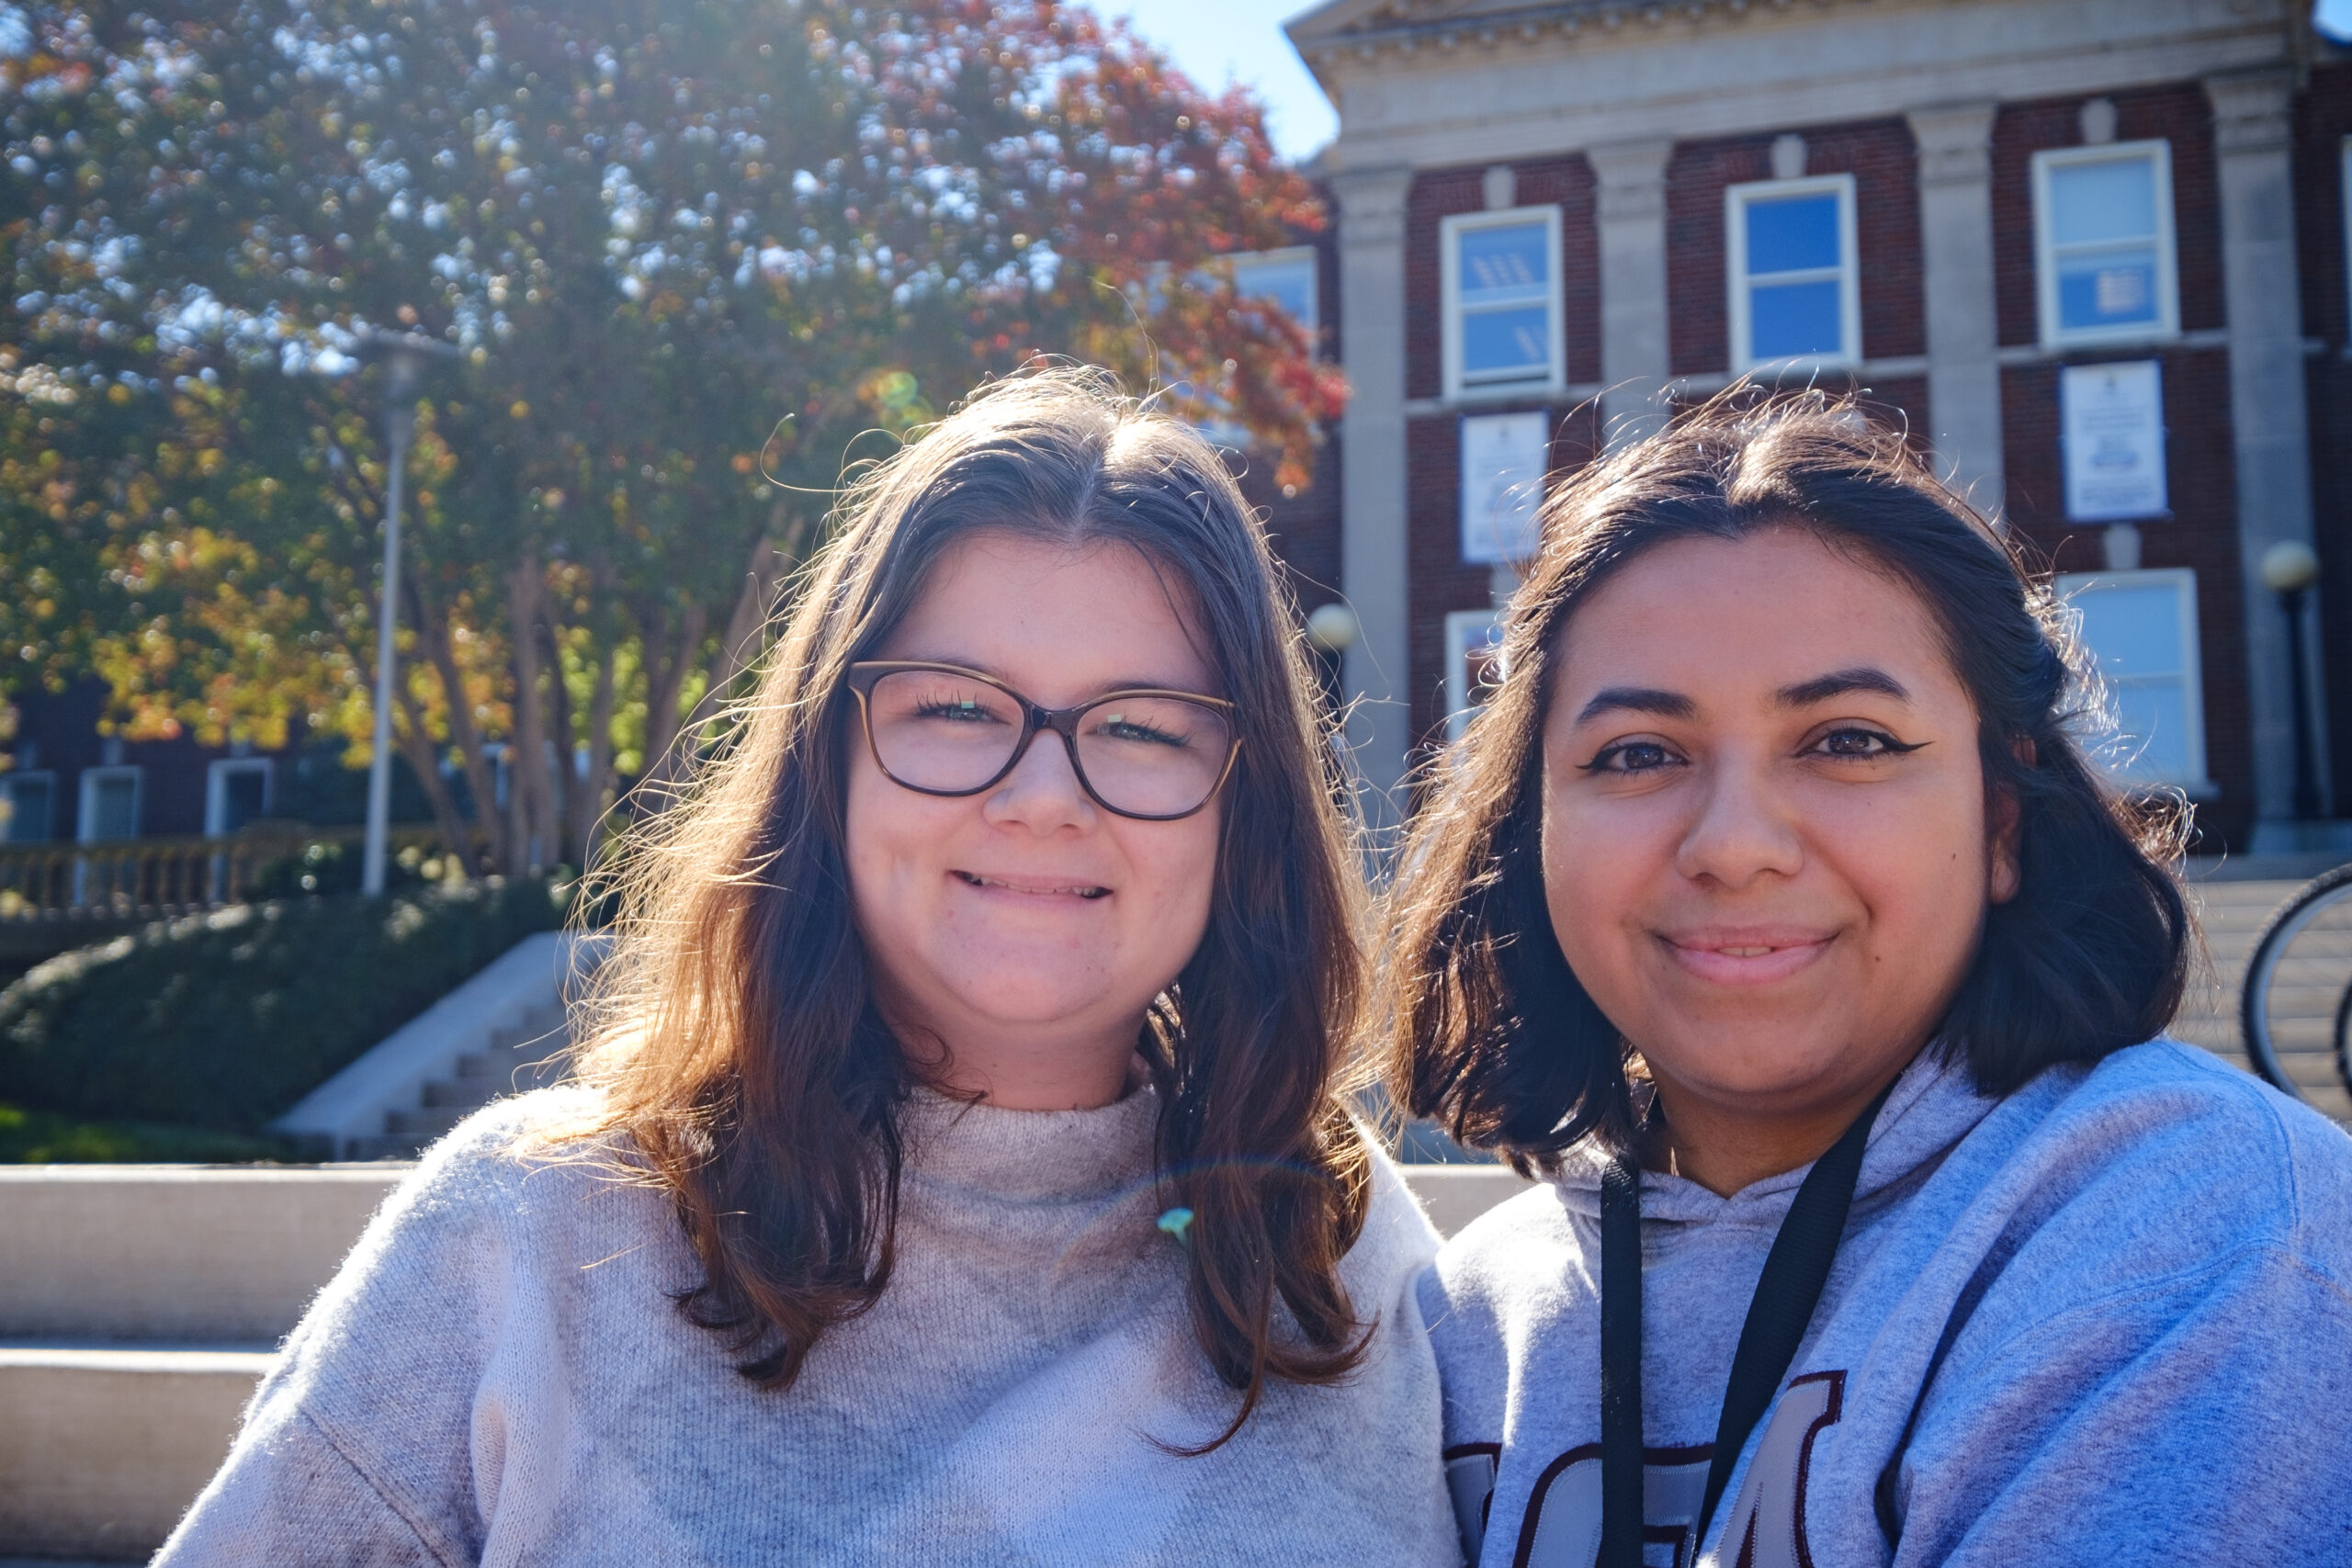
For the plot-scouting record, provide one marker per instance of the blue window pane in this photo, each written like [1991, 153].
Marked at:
[1504, 263]
[1787, 321]
[1289, 284]
[2154, 740]
[2132, 630]
[2091, 202]
[114, 808]
[2109, 288]
[28, 810]
[1507, 343]
[1792, 234]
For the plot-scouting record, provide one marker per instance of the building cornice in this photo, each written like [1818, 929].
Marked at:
[1405, 28]
[1659, 71]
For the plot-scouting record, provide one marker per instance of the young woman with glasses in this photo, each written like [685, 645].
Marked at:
[1772, 910]
[955, 1173]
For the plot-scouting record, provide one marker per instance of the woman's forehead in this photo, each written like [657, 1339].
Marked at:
[1032, 605]
[1725, 621]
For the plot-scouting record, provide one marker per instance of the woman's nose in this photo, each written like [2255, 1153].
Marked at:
[1744, 825]
[1042, 791]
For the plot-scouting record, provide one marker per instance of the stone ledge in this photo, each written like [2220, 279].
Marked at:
[103, 1446]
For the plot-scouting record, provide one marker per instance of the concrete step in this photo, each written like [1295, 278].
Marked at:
[103, 1446]
[139, 1306]
[173, 1252]
[519, 1059]
[541, 1034]
[471, 1086]
[410, 1131]
[2311, 982]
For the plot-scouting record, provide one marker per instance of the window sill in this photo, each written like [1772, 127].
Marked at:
[2151, 343]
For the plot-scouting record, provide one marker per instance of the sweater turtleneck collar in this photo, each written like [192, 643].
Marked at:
[1032, 1156]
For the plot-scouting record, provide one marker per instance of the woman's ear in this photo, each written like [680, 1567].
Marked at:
[2006, 872]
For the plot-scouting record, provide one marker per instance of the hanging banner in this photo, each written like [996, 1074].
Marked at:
[2112, 419]
[1503, 459]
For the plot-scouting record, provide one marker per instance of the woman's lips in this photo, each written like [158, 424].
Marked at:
[1745, 957]
[1032, 886]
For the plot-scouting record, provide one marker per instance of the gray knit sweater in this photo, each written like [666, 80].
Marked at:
[498, 1375]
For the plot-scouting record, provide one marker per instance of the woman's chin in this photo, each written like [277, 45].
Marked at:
[1011, 1003]
[1753, 1080]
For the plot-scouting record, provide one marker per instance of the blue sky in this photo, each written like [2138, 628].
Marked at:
[1214, 41]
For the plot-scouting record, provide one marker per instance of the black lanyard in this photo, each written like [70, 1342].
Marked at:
[1795, 1272]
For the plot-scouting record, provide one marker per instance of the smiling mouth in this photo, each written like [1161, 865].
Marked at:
[1748, 958]
[1035, 889]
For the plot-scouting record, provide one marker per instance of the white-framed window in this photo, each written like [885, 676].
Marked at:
[1286, 277]
[236, 791]
[1795, 276]
[1474, 664]
[31, 800]
[110, 801]
[2139, 628]
[2103, 264]
[1499, 274]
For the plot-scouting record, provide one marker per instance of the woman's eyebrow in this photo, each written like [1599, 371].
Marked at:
[1107, 689]
[1637, 699]
[1839, 682]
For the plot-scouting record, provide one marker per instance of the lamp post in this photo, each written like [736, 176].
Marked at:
[1331, 630]
[407, 356]
[2289, 570]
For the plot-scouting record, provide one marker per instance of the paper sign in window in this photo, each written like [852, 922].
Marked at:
[1503, 459]
[2113, 425]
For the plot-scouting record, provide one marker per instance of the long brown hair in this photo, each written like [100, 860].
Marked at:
[1490, 1030]
[733, 1033]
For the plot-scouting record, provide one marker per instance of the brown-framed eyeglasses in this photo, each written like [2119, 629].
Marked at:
[942, 729]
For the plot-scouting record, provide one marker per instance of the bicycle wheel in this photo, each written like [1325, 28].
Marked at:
[2301, 960]
[2344, 1039]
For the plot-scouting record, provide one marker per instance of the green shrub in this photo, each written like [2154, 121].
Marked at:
[44, 1137]
[224, 1021]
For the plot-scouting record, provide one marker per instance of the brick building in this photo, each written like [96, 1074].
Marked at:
[2093, 252]
[69, 783]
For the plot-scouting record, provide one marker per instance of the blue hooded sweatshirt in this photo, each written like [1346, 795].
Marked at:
[2139, 1276]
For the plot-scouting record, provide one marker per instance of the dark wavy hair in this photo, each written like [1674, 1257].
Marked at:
[734, 1036]
[1489, 1031]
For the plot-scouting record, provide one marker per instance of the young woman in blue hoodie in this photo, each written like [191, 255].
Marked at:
[1773, 911]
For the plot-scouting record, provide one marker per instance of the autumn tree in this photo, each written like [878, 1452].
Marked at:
[696, 256]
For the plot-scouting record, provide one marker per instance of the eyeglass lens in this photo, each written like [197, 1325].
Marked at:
[1149, 756]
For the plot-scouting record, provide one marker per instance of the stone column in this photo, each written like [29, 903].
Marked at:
[1955, 144]
[2269, 414]
[1377, 668]
[1631, 199]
